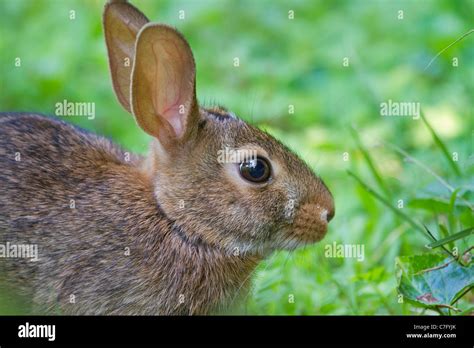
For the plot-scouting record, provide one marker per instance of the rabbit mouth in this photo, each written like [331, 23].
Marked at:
[308, 226]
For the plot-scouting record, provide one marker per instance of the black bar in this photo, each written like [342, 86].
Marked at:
[242, 329]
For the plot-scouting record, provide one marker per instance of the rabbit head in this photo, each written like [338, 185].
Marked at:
[219, 180]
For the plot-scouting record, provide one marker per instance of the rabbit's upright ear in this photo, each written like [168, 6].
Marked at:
[122, 22]
[163, 84]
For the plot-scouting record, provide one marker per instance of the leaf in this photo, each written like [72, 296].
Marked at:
[451, 238]
[432, 280]
[435, 204]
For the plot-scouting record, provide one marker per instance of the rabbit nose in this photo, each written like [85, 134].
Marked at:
[327, 203]
[327, 213]
[331, 214]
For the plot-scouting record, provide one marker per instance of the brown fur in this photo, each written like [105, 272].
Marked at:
[175, 232]
[82, 250]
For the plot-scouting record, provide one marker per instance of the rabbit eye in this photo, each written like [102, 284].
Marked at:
[256, 170]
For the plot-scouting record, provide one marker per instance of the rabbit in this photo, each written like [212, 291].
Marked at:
[178, 231]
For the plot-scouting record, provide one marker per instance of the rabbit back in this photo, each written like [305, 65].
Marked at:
[70, 193]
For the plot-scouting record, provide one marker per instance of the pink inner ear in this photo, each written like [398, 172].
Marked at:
[163, 86]
[174, 118]
[171, 84]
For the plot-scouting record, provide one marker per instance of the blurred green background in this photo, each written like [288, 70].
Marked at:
[286, 62]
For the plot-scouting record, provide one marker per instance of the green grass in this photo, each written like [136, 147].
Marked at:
[337, 113]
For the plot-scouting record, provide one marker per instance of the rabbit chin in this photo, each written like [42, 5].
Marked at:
[291, 243]
[285, 241]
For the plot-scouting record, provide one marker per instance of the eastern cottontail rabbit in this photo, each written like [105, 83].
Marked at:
[176, 232]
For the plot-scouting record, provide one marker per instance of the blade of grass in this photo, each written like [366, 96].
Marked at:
[468, 311]
[450, 45]
[453, 198]
[397, 211]
[428, 170]
[443, 231]
[421, 165]
[441, 145]
[442, 246]
[451, 238]
[370, 163]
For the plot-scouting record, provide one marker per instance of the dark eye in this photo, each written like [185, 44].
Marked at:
[256, 170]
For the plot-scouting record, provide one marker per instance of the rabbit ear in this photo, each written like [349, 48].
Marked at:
[122, 22]
[163, 84]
